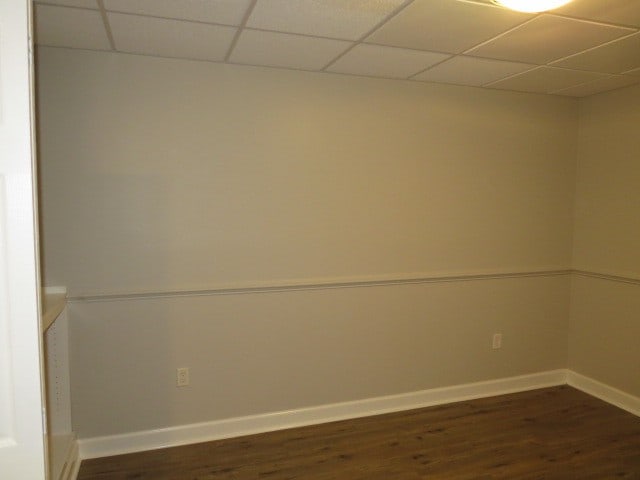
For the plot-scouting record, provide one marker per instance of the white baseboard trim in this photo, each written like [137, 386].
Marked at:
[604, 392]
[235, 427]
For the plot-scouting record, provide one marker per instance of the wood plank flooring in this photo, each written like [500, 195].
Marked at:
[554, 433]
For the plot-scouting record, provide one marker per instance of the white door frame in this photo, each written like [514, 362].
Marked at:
[22, 431]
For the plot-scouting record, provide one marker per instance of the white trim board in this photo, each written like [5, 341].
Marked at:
[235, 427]
[604, 392]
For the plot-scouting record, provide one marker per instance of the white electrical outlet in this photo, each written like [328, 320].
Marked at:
[497, 341]
[182, 379]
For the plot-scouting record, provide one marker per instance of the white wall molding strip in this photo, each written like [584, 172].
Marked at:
[604, 392]
[235, 427]
[344, 282]
[612, 277]
[318, 284]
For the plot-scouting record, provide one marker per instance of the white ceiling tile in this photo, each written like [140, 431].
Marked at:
[546, 80]
[72, 3]
[170, 38]
[381, 61]
[226, 12]
[445, 25]
[615, 57]
[70, 27]
[547, 38]
[344, 19]
[472, 71]
[603, 85]
[286, 50]
[624, 12]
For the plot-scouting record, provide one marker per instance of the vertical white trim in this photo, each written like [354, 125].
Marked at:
[58, 381]
[6, 423]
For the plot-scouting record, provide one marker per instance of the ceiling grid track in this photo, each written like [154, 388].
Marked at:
[107, 27]
[369, 32]
[242, 26]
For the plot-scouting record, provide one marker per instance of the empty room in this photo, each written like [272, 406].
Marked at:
[332, 239]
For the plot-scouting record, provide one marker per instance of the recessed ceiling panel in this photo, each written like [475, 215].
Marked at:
[226, 12]
[70, 27]
[546, 80]
[624, 12]
[170, 38]
[381, 61]
[547, 38]
[605, 84]
[615, 57]
[472, 71]
[445, 25]
[345, 19]
[286, 50]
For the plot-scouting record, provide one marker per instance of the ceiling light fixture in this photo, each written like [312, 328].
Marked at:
[531, 6]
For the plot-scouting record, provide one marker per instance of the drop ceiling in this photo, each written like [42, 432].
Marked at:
[584, 48]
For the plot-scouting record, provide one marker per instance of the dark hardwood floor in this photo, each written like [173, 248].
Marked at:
[554, 433]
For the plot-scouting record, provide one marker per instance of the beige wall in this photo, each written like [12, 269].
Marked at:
[163, 175]
[605, 319]
[606, 218]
